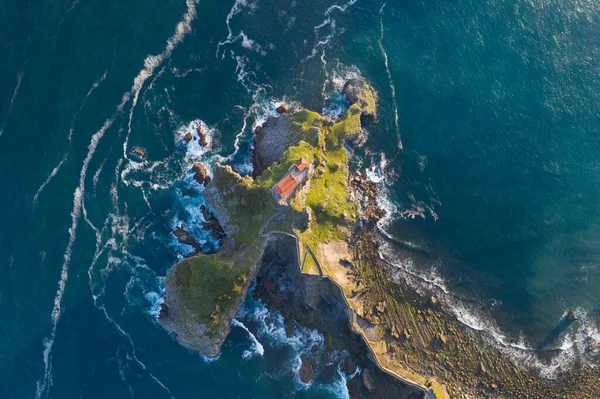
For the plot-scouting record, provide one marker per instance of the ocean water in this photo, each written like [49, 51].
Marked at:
[486, 149]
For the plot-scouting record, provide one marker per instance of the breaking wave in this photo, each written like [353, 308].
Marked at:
[571, 349]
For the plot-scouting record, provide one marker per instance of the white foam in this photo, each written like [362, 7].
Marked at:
[153, 61]
[75, 214]
[328, 21]
[89, 93]
[12, 99]
[97, 174]
[237, 7]
[341, 8]
[256, 346]
[572, 348]
[389, 73]
[49, 178]
[123, 333]
[376, 173]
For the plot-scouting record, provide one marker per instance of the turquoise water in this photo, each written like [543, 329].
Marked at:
[496, 182]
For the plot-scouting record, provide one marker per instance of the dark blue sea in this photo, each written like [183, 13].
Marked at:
[486, 149]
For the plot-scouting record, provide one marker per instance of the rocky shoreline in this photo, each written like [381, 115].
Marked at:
[338, 282]
[315, 302]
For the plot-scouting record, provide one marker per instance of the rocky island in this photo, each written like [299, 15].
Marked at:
[303, 192]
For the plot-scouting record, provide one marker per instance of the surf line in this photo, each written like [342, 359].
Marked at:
[12, 99]
[389, 73]
[69, 138]
[328, 21]
[46, 382]
[154, 61]
[150, 64]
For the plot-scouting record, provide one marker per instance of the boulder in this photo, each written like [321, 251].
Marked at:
[289, 329]
[571, 316]
[186, 238]
[203, 136]
[305, 371]
[139, 153]
[201, 175]
[282, 109]
[188, 137]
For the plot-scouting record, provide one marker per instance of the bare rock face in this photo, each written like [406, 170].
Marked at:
[282, 109]
[212, 224]
[203, 136]
[186, 238]
[201, 175]
[271, 140]
[359, 91]
[188, 137]
[139, 153]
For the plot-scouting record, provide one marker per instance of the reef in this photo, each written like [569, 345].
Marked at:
[331, 217]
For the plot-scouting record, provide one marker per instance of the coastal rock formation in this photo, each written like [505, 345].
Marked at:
[283, 131]
[188, 137]
[139, 153]
[306, 370]
[270, 141]
[203, 137]
[186, 238]
[407, 333]
[203, 293]
[358, 91]
[317, 303]
[212, 224]
[282, 109]
[201, 174]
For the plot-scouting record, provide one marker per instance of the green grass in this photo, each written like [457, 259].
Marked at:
[210, 285]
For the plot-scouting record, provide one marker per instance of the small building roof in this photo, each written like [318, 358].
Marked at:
[286, 185]
[301, 164]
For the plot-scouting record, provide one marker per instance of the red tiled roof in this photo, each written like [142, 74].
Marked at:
[301, 164]
[286, 186]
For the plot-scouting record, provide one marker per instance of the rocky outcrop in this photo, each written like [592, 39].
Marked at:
[184, 237]
[201, 174]
[203, 137]
[139, 153]
[282, 109]
[188, 137]
[212, 224]
[358, 91]
[306, 368]
[315, 302]
[270, 141]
